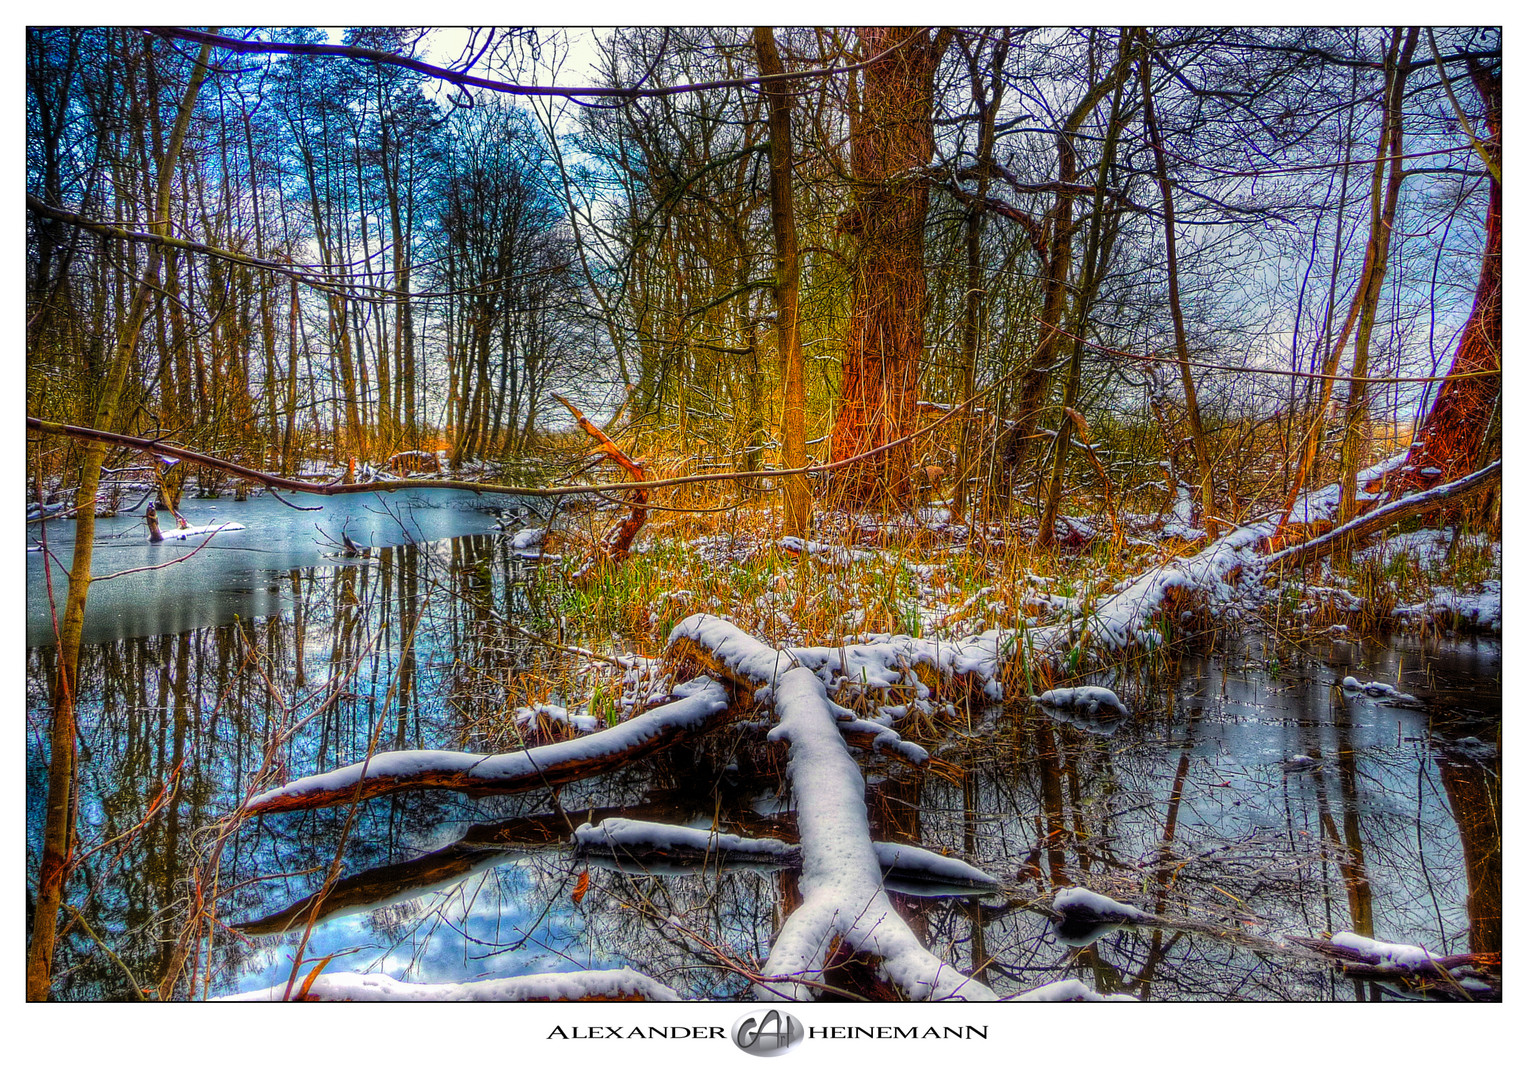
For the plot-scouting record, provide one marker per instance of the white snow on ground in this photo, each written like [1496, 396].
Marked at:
[698, 701]
[1316, 597]
[551, 986]
[1068, 990]
[527, 539]
[1387, 954]
[836, 556]
[1086, 905]
[201, 530]
[840, 882]
[1093, 700]
[1469, 611]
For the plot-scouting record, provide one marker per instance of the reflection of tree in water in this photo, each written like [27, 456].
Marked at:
[1184, 811]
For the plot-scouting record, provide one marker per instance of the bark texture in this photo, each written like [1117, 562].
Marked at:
[891, 141]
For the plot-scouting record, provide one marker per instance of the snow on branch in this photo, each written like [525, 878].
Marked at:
[842, 894]
[627, 837]
[699, 704]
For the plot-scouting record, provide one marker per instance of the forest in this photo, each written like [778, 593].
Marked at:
[766, 513]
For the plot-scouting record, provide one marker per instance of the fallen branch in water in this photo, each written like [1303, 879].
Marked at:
[844, 907]
[700, 705]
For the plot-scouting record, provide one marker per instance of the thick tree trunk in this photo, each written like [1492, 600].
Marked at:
[891, 143]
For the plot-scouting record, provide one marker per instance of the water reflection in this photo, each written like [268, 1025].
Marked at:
[1186, 809]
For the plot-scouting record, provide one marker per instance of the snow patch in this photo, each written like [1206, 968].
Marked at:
[1387, 954]
[1069, 990]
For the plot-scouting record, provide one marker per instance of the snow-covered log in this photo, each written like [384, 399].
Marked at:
[1366, 524]
[844, 905]
[697, 706]
[618, 984]
[842, 896]
[640, 839]
[1411, 970]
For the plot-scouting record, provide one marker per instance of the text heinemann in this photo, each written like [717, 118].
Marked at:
[969, 1031]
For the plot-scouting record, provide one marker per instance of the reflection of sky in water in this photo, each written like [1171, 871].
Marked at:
[465, 932]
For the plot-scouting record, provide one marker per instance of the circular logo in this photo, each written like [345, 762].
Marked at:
[768, 1033]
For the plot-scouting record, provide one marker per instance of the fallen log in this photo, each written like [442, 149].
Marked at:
[844, 905]
[628, 838]
[1375, 520]
[698, 706]
[618, 984]
[1411, 970]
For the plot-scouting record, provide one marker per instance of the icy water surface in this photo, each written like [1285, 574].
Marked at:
[237, 574]
[1247, 799]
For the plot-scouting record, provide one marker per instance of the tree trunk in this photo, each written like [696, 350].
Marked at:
[891, 143]
[798, 497]
[1056, 255]
[987, 104]
[1094, 260]
[59, 825]
[1208, 520]
[1381, 224]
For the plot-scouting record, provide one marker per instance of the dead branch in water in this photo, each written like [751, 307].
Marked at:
[701, 705]
[617, 543]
